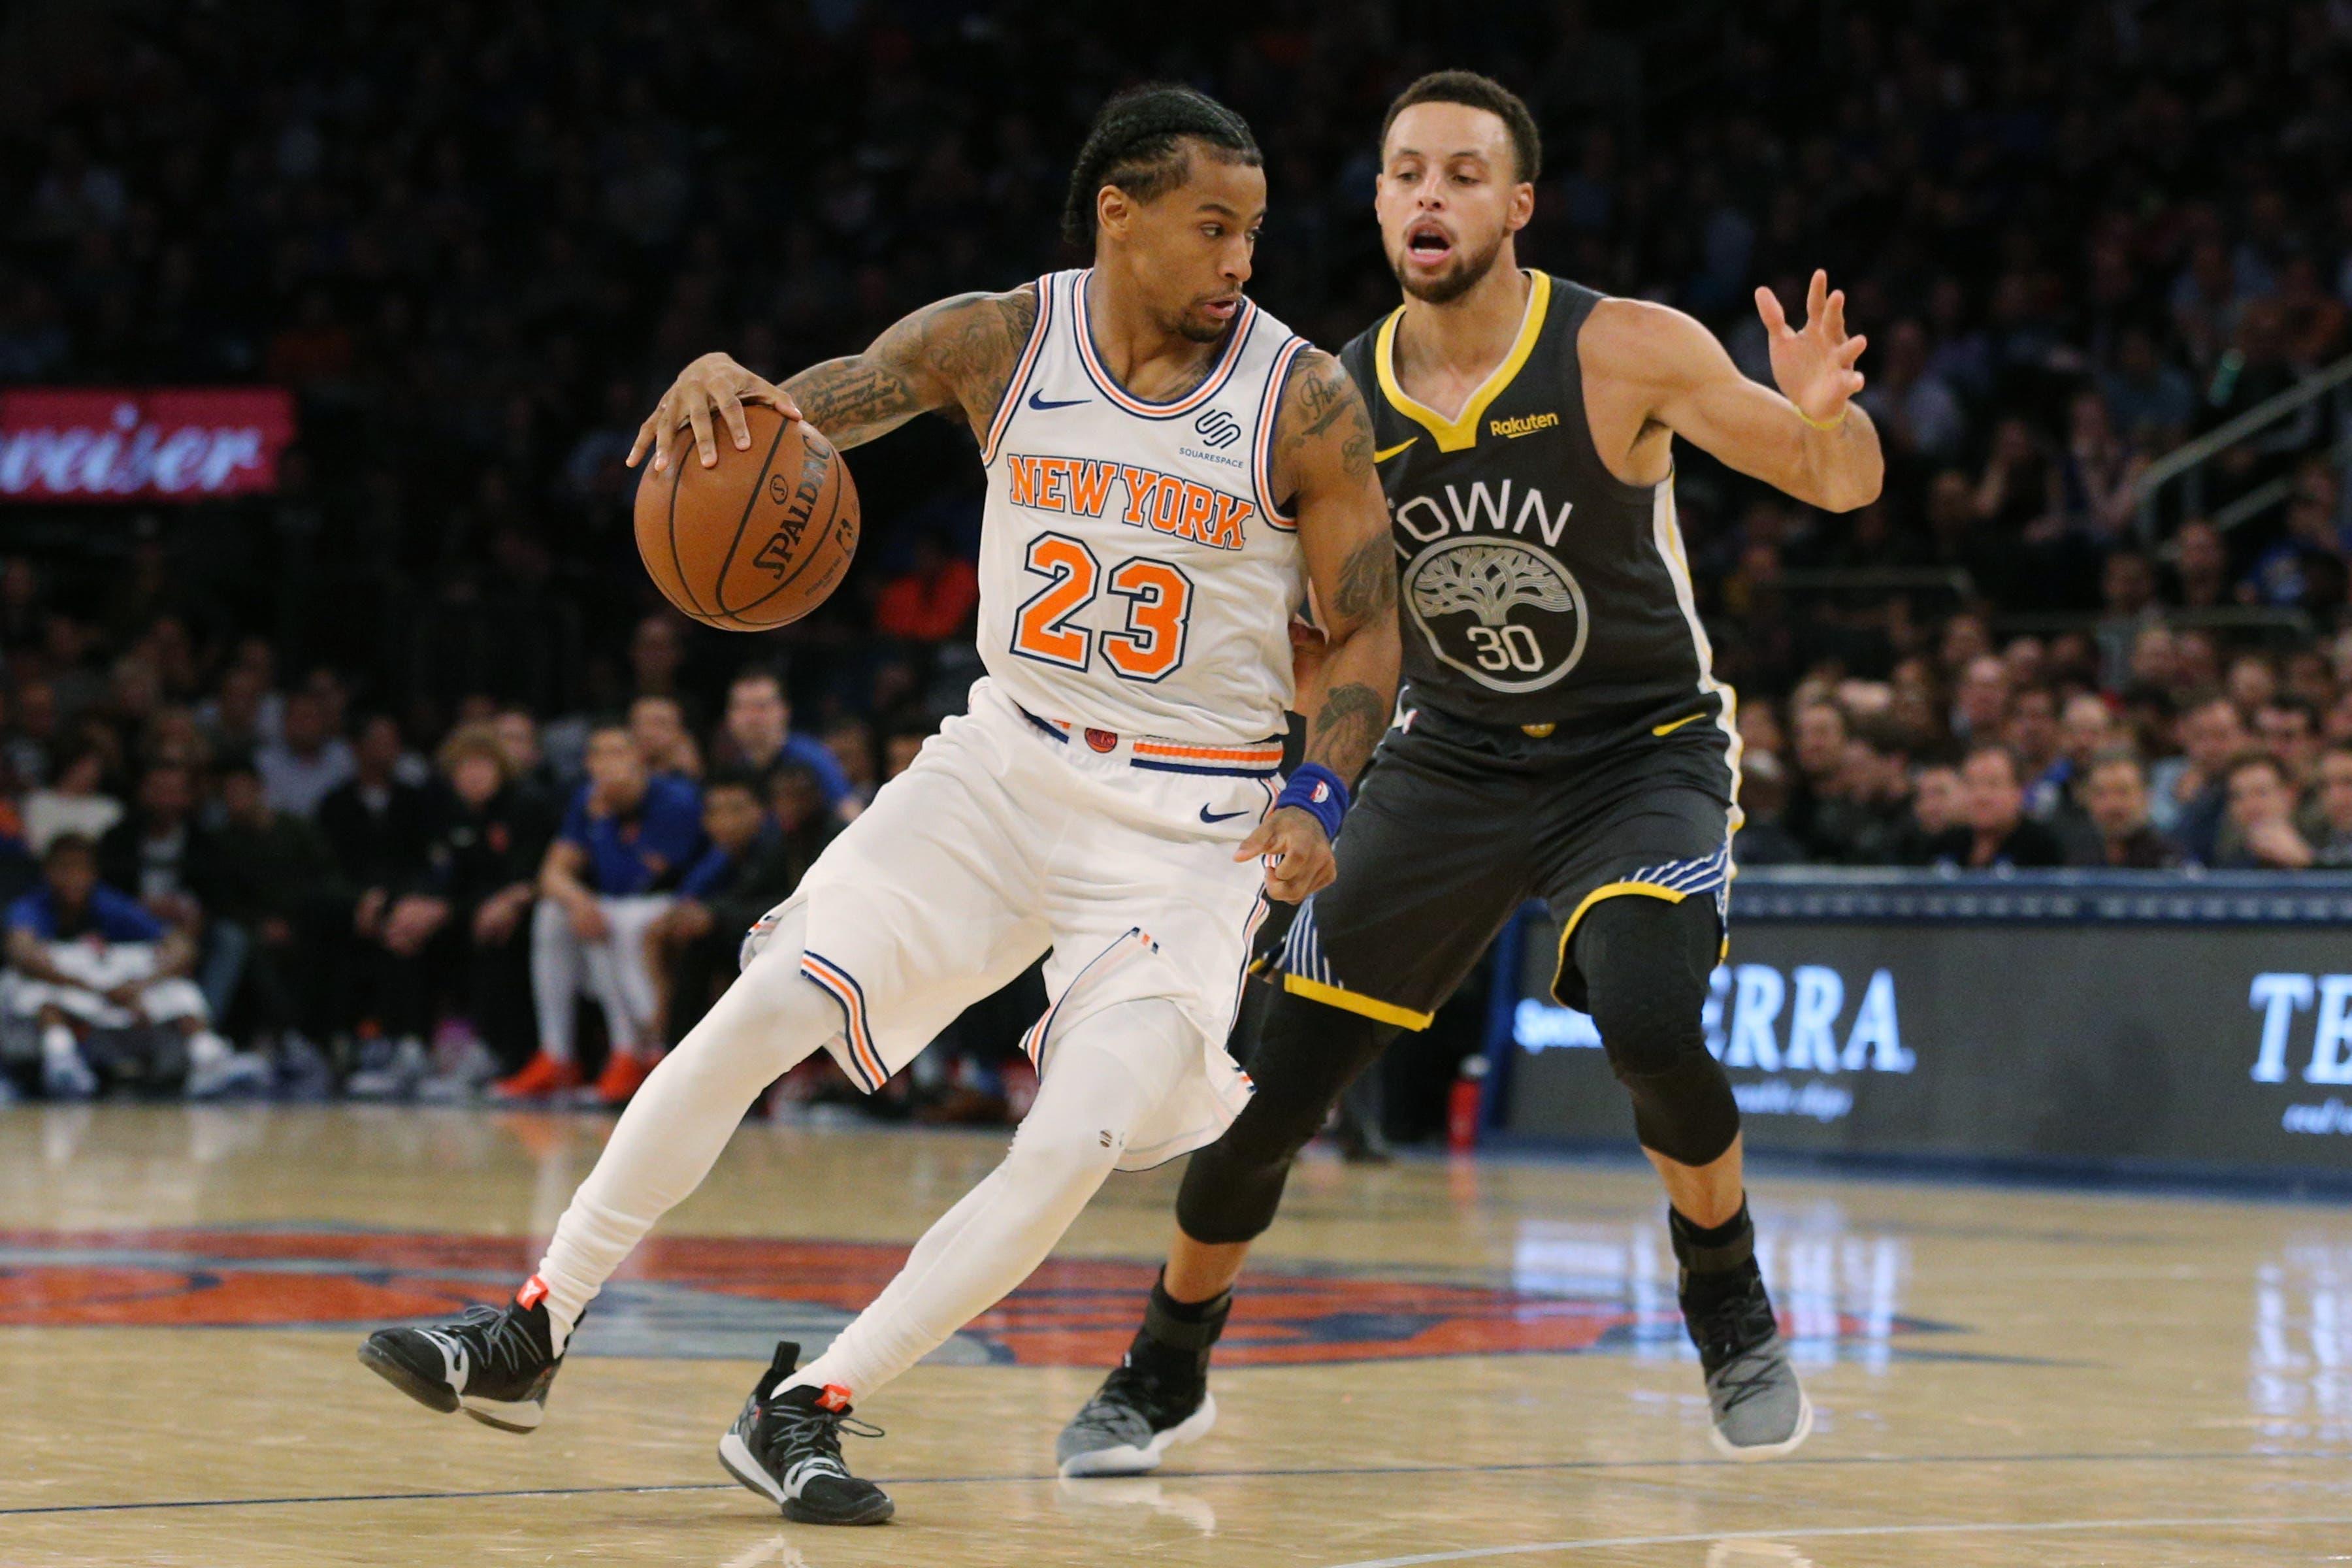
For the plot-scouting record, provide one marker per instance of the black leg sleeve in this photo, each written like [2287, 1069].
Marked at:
[1646, 964]
[1307, 1055]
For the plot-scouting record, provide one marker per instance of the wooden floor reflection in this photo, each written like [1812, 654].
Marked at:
[1441, 1362]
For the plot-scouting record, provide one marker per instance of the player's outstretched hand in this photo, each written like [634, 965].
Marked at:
[714, 382]
[1815, 364]
[1297, 855]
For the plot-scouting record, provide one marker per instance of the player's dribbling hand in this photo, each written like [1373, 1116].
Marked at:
[1297, 855]
[713, 382]
[1815, 364]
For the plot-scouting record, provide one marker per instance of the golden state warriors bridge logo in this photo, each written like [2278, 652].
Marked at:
[733, 1298]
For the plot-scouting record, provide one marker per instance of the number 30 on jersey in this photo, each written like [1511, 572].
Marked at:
[1158, 608]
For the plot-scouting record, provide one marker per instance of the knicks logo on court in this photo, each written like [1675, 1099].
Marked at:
[719, 1297]
[1510, 617]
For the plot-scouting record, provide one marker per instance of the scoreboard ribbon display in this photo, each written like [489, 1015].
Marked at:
[2137, 1020]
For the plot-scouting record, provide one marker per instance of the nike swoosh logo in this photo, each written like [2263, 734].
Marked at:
[1208, 815]
[1038, 402]
[1385, 453]
[1670, 729]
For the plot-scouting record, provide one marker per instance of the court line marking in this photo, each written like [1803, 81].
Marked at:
[1829, 1531]
[1184, 1475]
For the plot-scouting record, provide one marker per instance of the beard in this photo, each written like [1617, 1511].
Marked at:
[1456, 280]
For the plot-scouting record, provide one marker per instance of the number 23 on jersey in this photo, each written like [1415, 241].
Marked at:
[1159, 607]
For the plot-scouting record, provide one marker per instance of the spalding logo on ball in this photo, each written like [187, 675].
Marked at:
[760, 539]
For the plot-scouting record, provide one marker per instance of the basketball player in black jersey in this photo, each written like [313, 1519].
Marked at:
[1560, 736]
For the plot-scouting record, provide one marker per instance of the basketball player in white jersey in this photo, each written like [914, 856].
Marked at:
[1168, 469]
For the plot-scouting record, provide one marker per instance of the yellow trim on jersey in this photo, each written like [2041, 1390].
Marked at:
[1610, 890]
[1461, 433]
[1670, 729]
[1349, 1001]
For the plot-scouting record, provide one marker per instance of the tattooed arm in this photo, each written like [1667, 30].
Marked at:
[1323, 457]
[956, 353]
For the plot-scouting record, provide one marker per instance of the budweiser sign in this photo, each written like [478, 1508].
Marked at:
[186, 443]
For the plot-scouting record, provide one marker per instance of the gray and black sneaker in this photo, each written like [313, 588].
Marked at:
[1760, 1411]
[494, 1363]
[787, 1446]
[1146, 1406]
[1158, 1396]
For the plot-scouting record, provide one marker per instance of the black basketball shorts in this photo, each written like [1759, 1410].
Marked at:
[1456, 825]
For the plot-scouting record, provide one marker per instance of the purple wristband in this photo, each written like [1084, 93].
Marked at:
[1317, 790]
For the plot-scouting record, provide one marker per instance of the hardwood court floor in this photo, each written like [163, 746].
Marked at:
[1475, 1363]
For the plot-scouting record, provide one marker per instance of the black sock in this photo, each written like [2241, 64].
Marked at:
[1180, 1333]
[1717, 1262]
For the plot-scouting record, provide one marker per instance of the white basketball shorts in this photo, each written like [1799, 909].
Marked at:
[1013, 833]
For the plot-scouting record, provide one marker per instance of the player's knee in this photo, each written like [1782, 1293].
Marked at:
[1645, 964]
[1062, 1156]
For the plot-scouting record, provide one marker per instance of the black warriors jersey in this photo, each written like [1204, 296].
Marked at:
[1537, 589]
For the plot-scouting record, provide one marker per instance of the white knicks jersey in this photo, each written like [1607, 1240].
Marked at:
[1135, 575]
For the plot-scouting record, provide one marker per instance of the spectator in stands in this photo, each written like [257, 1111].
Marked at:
[168, 859]
[759, 734]
[1983, 701]
[1995, 834]
[2188, 796]
[851, 742]
[527, 769]
[2115, 796]
[86, 964]
[309, 761]
[1763, 799]
[278, 883]
[747, 869]
[75, 802]
[378, 826]
[902, 741]
[2200, 567]
[2034, 742]
[1938, 805]
[2332, 844]
[612, 871]
[933, 600]
[2259, 833]
[29, 736]
[465, 915]
[658, 726]
[2288, 729]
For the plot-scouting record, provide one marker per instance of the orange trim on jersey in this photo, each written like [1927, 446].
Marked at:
[1012, 389]
[1262, 449]
[845, 990]
[1251, 755]
[1082, 328]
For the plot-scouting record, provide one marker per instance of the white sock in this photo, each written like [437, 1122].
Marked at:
[205, 1049]
[768, 1022]
[57, 1044]
[1106, 1074]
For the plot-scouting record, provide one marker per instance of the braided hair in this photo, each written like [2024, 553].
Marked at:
[1137, 143]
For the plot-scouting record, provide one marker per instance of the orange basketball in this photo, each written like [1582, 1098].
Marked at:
[758, 540]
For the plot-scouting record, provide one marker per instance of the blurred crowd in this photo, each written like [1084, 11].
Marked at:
[356, 752]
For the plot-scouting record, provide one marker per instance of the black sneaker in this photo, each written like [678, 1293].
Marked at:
[787, 1446]
[494, 1363]
[1154, 1399]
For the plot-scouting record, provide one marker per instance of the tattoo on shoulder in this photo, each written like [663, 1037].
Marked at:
[974, 340]
[1320, 406]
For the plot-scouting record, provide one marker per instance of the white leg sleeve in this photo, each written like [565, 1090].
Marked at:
[1105, 1075]
[554, 977]
[768, 1021]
